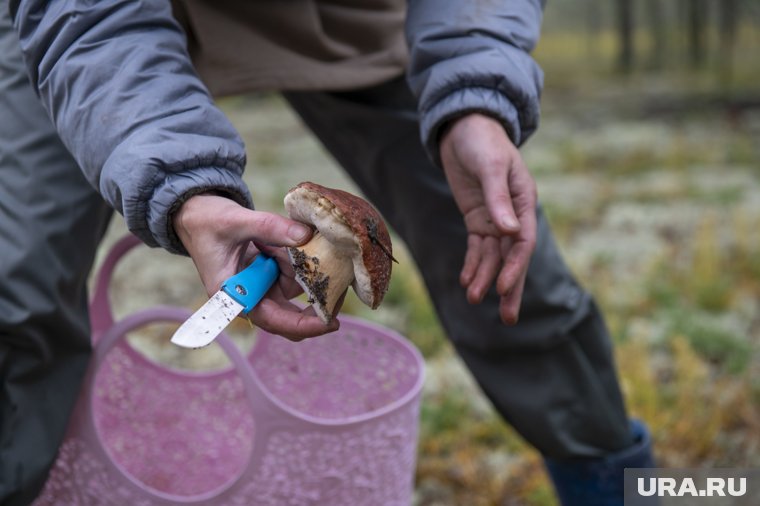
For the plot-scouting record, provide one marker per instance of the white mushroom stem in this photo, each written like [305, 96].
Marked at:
[324, 272]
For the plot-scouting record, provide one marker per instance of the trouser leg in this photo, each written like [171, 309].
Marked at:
[552, 375]
[50, 223]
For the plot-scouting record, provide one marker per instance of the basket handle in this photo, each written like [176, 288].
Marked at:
[101, 314]
[106, 333]
[103, 321]
[252, 389]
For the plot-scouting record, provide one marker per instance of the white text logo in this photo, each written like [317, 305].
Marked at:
[714, 487]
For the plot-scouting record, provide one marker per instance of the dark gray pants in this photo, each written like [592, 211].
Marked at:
[50, 223]
[551, 376]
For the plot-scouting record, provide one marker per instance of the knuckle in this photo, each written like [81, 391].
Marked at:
[473, 242]
[265, 221]
[495, 164]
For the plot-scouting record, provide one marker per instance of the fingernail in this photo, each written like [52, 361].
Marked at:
[509, 222]
[298, 232]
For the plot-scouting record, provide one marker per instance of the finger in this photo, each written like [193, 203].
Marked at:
[490, 259]
[290, 321]
[290, 287]
[281, 256]
[478, 221]
[273, 229]
[273, 251]
[498, 197]
[523, 188]
[471, 260]
[286, 281]
[516, 254]
[509, 305]
[339, 304]
[515, 263]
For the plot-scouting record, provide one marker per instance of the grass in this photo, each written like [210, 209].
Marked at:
[685, 319]
[693, 381]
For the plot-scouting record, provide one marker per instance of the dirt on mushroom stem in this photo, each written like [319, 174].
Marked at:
[348, 228]
[307, 269]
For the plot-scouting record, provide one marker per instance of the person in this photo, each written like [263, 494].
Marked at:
[108, 105]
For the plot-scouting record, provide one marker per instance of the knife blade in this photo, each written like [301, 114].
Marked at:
[239, 294]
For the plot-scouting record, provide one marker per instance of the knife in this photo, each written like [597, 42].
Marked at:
[239, 294]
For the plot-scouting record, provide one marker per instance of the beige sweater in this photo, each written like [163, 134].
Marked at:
[247, 45]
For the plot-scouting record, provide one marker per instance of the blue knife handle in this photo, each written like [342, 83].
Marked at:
[248, 286]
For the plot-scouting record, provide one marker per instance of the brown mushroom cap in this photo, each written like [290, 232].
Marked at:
[348, 222]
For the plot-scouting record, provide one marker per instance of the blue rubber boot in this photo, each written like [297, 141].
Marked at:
[599, 482]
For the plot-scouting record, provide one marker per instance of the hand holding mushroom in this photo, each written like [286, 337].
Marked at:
[350, 246]
[221, 236]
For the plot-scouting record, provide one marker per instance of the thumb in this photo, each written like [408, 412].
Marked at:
[273, 229]
[499, 201]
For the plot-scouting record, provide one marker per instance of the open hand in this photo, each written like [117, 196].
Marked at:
[497, 197]
[223, 237]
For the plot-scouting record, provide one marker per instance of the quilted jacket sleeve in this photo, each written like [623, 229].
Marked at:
[474, 56]
[116, 79]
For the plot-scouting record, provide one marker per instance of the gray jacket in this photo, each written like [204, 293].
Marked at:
[118, 83]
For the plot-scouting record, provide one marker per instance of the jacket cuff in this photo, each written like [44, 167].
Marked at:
[174, 191]
[461, 102]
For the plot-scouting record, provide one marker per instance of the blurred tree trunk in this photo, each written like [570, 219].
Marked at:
[728, 25]
[625, 34]
[656, 18]
[593, 27]
[696, 31]
[682, 11]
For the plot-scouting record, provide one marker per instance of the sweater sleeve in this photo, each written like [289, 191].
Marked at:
[118, 84]
[474, 56]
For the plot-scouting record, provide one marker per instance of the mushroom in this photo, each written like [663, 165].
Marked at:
[350, 246]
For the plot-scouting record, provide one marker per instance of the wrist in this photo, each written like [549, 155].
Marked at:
[190, 214]
[473, 120]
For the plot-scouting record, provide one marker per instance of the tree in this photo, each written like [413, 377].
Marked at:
[727, 39]
[593, 27]
[696, 15]
[656, 19]
[625, 34]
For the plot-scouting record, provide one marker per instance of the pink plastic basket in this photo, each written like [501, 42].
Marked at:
[328, 421]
